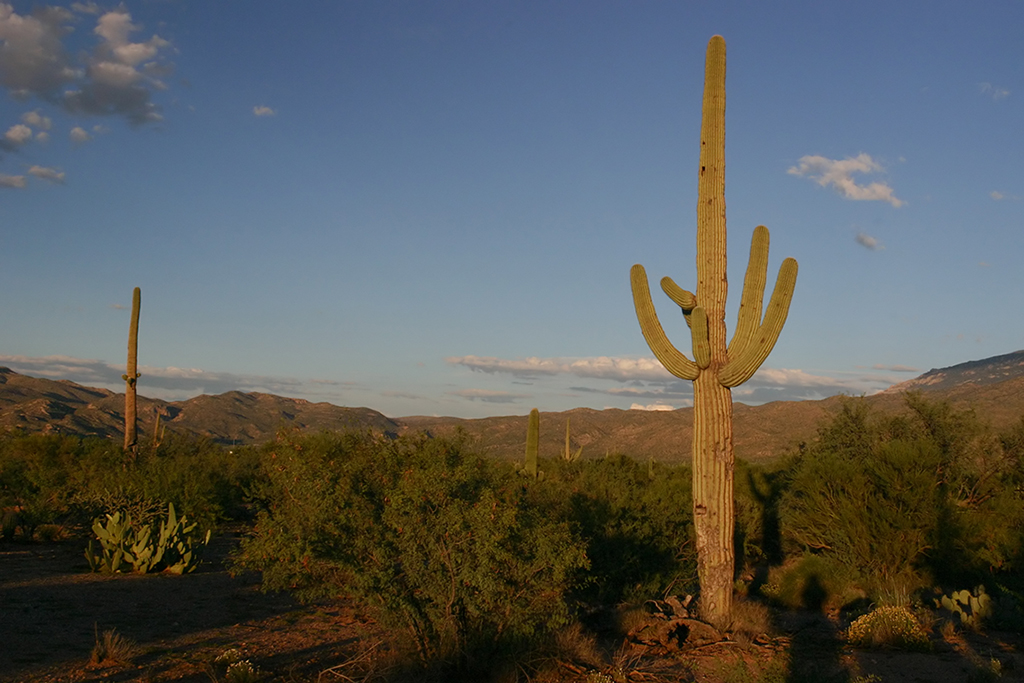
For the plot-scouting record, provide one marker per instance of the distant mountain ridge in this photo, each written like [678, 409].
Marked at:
[972, 373]
[42, 405]
[993, 387]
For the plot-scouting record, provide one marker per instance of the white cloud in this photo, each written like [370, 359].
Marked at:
[18, 135]
[51, 174]
[114, 74]
[42, 137]
[652, 406]
[839, 174]
[115, 79]
[601, 367]
[263, 111]
[32, 57]
[36, 120]
[996, 92]
[869, 242]
[645, 382]
[79, 135]
[169, 383]
[996, 195]
[86, 7]
[14, 181]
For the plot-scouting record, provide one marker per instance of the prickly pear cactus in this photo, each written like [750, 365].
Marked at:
[972, 610]
[716, 367]
[174, 549]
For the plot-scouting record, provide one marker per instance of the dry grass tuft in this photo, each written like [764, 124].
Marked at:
[750, 619]
[113, 648]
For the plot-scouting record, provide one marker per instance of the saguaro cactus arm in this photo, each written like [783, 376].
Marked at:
[674, 360]
[759, 344]
[752, 301]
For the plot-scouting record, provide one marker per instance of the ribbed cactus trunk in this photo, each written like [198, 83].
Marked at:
[716, 367]
[713, 516]
[131, 376]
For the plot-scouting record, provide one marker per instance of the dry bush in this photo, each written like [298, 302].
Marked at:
[112, 648]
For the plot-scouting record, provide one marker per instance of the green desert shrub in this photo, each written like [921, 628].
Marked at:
[636, 519]
[923, 496]
[433, 539]
[65, 480]
[813, 582]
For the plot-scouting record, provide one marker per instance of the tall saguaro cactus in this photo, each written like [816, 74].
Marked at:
[130, 410]
[716, 367]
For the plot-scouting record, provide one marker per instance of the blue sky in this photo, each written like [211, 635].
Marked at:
[432, 208]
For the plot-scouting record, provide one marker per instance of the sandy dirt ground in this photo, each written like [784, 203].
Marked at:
[52, 609]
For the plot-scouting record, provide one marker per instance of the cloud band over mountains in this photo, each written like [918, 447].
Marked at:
[646, 380]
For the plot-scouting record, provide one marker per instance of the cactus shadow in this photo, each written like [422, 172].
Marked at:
[53, 607]
[815, 642]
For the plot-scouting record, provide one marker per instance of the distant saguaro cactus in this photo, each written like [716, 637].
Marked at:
[568, 454]
[532, 443]
[130, 410]
[716, 367]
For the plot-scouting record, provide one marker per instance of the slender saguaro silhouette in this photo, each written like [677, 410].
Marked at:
[130, 409]
[716, 367]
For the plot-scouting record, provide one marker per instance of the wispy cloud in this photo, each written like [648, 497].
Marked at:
[261, 110]
[51, 174]
[895, 368]
[169, 383]
[868, 242]
[488, 396]
[12, 181]
[601, 367]
[839, 174]
[996, 92]
[646, 382]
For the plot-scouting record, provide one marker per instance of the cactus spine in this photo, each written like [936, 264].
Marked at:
[532, 443]
[716, 367]
[130, 377]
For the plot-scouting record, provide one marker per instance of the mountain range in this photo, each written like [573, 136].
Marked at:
[992, 387]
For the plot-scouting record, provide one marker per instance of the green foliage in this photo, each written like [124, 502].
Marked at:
[436, 540]
[532, 444]
[54, 479]
[811, 582]
[638, 527]
[889, 627]
[905, 500]
[174, 549]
